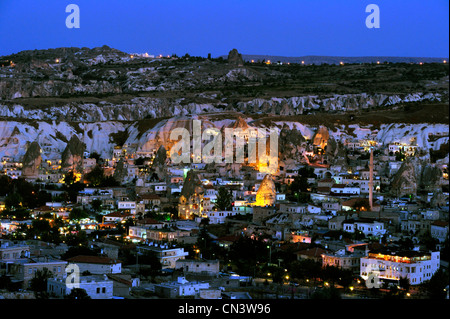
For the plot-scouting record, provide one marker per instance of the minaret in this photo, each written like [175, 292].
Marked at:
[371, 180]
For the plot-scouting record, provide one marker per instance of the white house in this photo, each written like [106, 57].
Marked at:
[367, 227]
[389, 265]
[96, 286]
[96, 265]
[293, 208]
[210, 192]
[180, 288]
[167, 256]
[314, 209]
[127, 205]
[218, 217]
[160, 187]
[345, 189]
[439, 230]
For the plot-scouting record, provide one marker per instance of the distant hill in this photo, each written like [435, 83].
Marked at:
[316, 59]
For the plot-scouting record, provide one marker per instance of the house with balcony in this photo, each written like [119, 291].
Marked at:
[166, 255]
[390, 266]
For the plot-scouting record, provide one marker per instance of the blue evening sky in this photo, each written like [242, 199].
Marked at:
[198, 27]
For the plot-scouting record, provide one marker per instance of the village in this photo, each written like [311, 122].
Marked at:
[137, 225]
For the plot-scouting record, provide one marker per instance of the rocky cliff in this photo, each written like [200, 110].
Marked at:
[73, 154]
[145, 107]
[32, 160]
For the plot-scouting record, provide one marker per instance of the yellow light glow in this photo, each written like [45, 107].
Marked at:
[77, 177]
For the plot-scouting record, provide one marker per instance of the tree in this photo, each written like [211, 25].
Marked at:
[429, 242]
[331, 273]
[149, 258]
[95, 176]
[327, 293]
[109, 181]
[404, 283]
[78, 293]
[204, 242]
[345, 278]
[39, 282]
[77, 214]
[5, 185]
[96, 156]
[43, 197]
[436, 285]
[40, 226]
[69, 178]
[305, 269]
[76, 239]
[224, 199]
[5, 282]
[299, 184]
[13, 201]
[77, 251]
[96, 205]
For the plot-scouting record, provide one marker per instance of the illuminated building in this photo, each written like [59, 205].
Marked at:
[266, 195]
[390, 265]
[344, 260]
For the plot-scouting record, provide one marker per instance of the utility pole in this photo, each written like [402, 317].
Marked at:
[371, 180]
[137, 262]
[270, 253]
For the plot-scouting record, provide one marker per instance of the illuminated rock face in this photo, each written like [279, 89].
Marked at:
[32, 160]
[266, 194]
[321, 137]
[191, 197]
